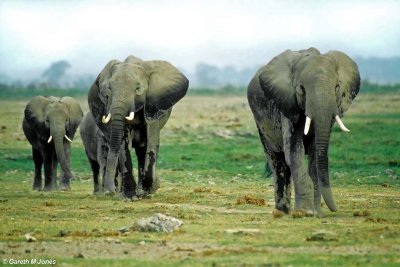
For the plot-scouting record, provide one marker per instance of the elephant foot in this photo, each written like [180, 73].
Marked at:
[283, 205]
[131, 199]
[65, 187]
[304, 206]
[129, 196]
[37, 188]
[109, 193]
[319, 212]
[48, 188]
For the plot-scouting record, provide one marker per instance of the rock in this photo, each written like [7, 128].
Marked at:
[63, 233]
[243, 231]
[79, 256]
[123, 230]
[158, 223]
[142, 243]
[322, 235]
[30, 238]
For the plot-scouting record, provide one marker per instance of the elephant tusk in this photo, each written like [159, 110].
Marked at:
[131, 115]
[50, 138]
[66, 137]
[341, 125]
[105, 119]
[307, 126]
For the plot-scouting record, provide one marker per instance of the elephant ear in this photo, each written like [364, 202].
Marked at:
[34, 114]
[75, 114]
[277, 80]
[133, 60]
[349, 80]
[96, 105]
[167, 85]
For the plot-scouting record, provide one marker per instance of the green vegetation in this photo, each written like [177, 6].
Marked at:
[210, 158]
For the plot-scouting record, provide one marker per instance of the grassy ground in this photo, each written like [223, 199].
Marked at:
[211, 164]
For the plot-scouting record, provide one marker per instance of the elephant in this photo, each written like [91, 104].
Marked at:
[96, 150]
[295, 100]
[131, 102]
[49, 125]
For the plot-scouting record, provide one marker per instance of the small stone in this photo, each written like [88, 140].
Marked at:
[79, 256]
[142, 243]
[242, 231]
[30, 238]
[158, 223]
[123, 230]
[63, 233]
[322, 235]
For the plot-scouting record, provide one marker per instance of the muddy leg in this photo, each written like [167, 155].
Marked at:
[95, 170]
[38, 161]
[125, 166]
[294, 156]
[48, 169]
[282, 185]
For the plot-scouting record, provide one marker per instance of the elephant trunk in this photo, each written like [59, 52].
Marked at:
[58, 137]
[321, 109]
[322, 136]
[117, 127]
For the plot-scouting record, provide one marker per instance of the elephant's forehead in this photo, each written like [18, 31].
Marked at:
[56, 107]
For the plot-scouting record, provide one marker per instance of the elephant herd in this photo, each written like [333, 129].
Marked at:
[295, 100]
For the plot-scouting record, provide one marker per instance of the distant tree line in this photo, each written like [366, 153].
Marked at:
[374, 70]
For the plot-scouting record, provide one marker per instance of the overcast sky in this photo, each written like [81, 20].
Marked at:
[241, 33]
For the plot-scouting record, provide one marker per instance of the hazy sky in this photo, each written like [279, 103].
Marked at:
[241, 33]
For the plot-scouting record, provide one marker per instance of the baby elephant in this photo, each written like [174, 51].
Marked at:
[49, 125]
[96, 150]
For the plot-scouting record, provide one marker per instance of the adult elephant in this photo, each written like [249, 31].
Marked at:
[132, 100]
[49, 125]
[295, 100]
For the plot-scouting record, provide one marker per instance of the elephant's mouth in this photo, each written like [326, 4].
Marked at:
[106, 119]
[337, 119]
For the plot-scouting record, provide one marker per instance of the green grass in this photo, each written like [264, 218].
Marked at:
[210, 156]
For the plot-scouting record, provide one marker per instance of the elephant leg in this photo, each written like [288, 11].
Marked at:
[267, 169]
[48, 169]
[294, 155]
[151, 182]
[282, 182]
[95, 170]
[38, 161]
[312, 170]
[65, 180]
[54, 181]
[102, 151]
[128, 183]
[140, 155]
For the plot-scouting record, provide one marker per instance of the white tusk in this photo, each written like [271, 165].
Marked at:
[307, 126]
[66, 137]
[131, 115]
[50, 138]
[341, 125]
[105, 119]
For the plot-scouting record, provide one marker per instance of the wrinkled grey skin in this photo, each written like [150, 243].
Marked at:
[293, 85]
[96, 151]
[149, 89]
[45, 116]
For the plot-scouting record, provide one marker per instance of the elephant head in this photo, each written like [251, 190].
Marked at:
[123, 88]
[319, 87]
[55, 120]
